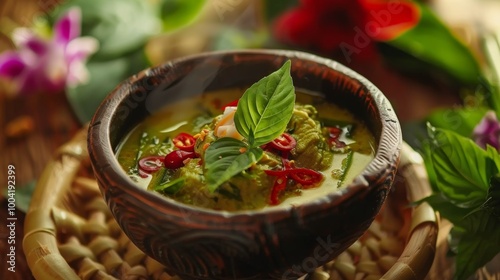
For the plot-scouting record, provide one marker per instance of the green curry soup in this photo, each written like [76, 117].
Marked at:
[322, 149]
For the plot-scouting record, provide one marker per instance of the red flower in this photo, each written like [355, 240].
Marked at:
[348, 26]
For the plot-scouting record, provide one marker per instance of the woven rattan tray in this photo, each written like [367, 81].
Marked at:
[70, 234]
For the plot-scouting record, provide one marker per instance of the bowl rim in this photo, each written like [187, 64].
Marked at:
[103, 158]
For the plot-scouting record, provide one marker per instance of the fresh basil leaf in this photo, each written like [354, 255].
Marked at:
[461, 121]
[462, 168]
[478, 244]
[227, 157]
[493, 198]
[493, 155]
[266, 107]
[429, 166]
[446, 208]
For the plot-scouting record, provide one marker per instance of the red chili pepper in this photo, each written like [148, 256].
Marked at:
[233, 103]
[143, 174]
[338, 144]
[150, 164]
[285, 142]
[184, 141]
[175, 159]
[334, 132]
[278, 187]
[305, 176]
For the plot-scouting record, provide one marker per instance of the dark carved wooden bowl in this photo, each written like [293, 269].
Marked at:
[277, 243]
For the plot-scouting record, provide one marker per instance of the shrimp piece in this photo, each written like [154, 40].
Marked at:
[225, 127]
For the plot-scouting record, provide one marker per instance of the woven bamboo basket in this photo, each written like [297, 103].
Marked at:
[70, 234]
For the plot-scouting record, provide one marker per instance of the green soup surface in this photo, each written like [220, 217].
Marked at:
[330, 147]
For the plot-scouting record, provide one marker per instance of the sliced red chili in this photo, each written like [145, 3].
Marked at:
[143, 174]
[305, 176]
[184, 141]
[278, 187]
[150, 164]
[175, 159]
[233, 103]
[338, 144]
[285, 142]
[334, 132]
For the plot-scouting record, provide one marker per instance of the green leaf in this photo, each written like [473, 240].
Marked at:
[429, 166]
[104, 77]
[177, 13]
[170, 187]
[446, 208]
[478, 244]
[345, 166]
[492, 202]
[120, 26]
[460, 120]
[461, 167]
[431, 42]
[493, 155]
[227, 157]
[266, 107]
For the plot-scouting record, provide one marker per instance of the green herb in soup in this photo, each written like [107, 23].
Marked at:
[270, 146]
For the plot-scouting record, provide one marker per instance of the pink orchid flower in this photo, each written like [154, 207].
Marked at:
[49, 65]
[487, 132]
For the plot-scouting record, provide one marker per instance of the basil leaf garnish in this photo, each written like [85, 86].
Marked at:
[478, 243]
[226, 158]
[462, 168]
[466, 192]
[266, 107]
[262, 115]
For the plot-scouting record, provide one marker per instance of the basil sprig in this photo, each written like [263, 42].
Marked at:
[466, 184]
[262, 115]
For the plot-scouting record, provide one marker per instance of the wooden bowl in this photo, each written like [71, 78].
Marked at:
[276, 243]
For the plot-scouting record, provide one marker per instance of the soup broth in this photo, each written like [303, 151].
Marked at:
[347, 146]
